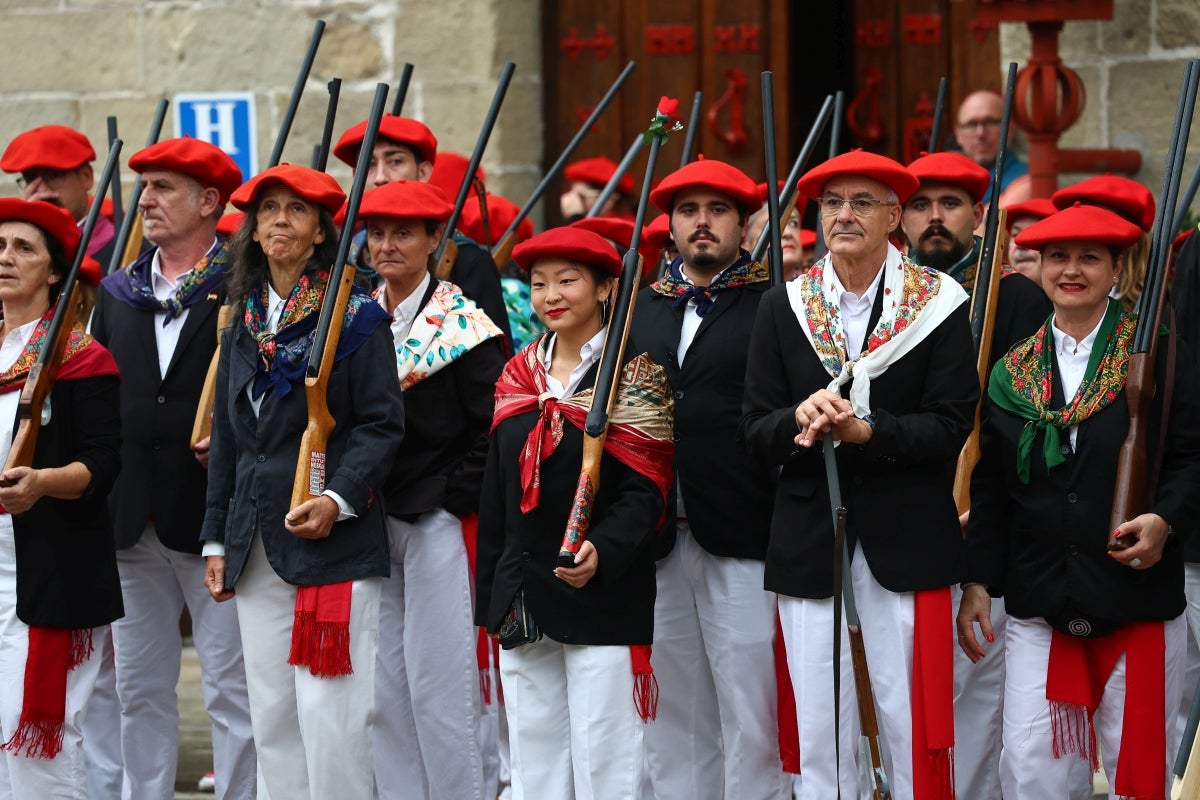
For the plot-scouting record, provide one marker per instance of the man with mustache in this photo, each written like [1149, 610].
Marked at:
[717, 729]
[54, 164]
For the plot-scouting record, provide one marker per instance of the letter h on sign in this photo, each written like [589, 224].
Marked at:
[226, 119]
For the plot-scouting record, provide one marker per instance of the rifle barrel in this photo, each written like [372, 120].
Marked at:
[135, 193]
[117, 205]
[774, 224]
[991, 230]
[297, 91]
[693, 129]
[935, 131]
[321, 157]
[618, 173]
[402, 89]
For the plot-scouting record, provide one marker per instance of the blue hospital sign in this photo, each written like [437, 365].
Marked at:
[224, 119]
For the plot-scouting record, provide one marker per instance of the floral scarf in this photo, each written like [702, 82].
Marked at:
[283, 355]
[77, 361]
[447, 328]
[915, 301]
[1022, 381]
[740, 273]
[133, 285]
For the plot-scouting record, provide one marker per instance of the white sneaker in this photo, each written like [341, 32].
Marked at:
[207, 783]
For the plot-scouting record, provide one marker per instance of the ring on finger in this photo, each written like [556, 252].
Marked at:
[1135, 562]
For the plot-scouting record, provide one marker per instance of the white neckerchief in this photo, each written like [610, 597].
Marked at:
[588, 354]
[1072, 359]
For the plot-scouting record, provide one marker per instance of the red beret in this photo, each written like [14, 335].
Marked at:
[1039, 207]
[953, 168]
[762, 191]
[859, 162]
[657, 231]
[316, 187]
[500, 213]
[449, 171]
[397, 129]
[618, 229]
[1080, 223]
[229, 222]
[47, 147]
[206, 163]
[1126, 197]
[710, 174]
[406, 200]
[570, 244]
[808, 238]
[90, 271]
[55, 222]
[597, 171]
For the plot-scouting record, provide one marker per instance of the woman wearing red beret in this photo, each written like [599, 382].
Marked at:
[1095, 640]
[307, 579]
[58, 571]
[577, 676]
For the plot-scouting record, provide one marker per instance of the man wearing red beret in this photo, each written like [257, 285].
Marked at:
[717, 729]
[54, 163]
[587, 178]
[875, 350]
[405, 150]
[158, 316]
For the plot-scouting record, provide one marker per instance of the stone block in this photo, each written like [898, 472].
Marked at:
[353, 107]
[78, 51]
[455, 111]
[1089, 130]
[18, 114]
[350, 50]
[1078, 41]
[1178, 23]
[1127, 33]
[1014, 42]
[454, 37]
[1141, 99]
[519, 131]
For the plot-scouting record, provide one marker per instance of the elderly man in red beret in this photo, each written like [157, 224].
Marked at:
[158, 316]
[875, 350]
[406, 150]
[54, 163]
[717, 729]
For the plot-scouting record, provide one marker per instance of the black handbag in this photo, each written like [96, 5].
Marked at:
[518, 627]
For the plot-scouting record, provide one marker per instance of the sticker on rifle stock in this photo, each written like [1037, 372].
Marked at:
[316, 473]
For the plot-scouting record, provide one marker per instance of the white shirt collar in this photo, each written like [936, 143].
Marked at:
[1065, 345]
[589, 354]
[160, 282]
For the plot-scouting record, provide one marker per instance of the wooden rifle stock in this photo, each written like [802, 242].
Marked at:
[449, 256]
[202, 427]
[502, 252]
[867, 719]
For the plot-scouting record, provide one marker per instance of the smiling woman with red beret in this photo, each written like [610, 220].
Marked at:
[58, 571]
[1095, 640]
[573, 695]
[307, 579]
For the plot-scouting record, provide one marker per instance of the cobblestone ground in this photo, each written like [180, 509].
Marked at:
[195, 733]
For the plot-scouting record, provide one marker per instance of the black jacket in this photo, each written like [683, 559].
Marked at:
[475, 273]
[66, 562]
[1021, 308]
[161, 479]
[253, 463]
[896, 487]
[726, 494]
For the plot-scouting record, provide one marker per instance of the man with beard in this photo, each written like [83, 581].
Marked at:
[717, 729]
[939, 219]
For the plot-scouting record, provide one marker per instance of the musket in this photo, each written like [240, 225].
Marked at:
[447, 250]
[608, 377]
[402, 89]
[321, 155]
[1185, 201]
[788, 197]
[618, 173]
[938, 109]
[118, 208]
[693, 128]
[984, 298]
[774, 225]
[310, 462]
[202, 425]
[867, 716]
[1188, 756]
[294, 102]
[835, 142]
[44, 372]
[1130, 497]
[128, 242]
[502, 252]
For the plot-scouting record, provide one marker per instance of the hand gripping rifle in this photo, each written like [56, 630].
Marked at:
[983, 302]
[310, 463]
[128, 242]
[44, 372]
[1131, 498]
[447, 250]
[843, 594]
[595, 428]
[502, 252]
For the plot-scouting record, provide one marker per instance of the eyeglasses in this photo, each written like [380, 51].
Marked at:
[972, 124]
[861, 206]
[53, 178]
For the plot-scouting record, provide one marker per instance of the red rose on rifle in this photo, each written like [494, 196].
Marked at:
[667, 106]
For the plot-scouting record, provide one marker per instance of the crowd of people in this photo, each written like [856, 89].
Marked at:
[408, 628]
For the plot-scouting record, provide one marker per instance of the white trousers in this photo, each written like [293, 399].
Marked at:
[887, 626]
[21, 778]
[1028, 767]
[156, 583]
[573, 731]
[717, 731]
[979, 711]
[426, 737]
[102, 727]
[313, 735]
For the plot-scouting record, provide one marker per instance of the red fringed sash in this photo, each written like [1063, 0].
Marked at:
[933, 695]
[321, 630]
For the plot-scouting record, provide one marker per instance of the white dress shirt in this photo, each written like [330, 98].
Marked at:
[1073, 359]
[404, 314]
[855, 312]
[166, 337]
[589, 354]
[691, 320]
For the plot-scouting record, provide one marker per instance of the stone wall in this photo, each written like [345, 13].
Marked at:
[1131, 67]
[74, 62]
